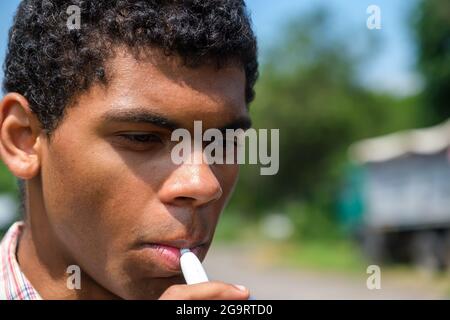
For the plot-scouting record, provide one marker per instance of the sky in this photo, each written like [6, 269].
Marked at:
[390, 68]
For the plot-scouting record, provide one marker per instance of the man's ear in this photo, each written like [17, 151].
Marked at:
[19, 137]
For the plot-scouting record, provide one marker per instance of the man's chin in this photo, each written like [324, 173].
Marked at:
[153, 288]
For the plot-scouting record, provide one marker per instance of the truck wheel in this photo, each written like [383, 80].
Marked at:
[446, 250]
[426, 251]
[374, 246]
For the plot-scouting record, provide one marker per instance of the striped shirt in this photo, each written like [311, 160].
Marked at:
[13, 283]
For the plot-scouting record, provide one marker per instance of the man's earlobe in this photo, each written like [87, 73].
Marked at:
[19, 137]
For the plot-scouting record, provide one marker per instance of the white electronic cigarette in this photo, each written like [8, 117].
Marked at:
[192, 268]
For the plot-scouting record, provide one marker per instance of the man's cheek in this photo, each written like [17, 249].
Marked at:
[80, 188]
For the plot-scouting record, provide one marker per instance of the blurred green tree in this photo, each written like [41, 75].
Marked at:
[7, 181]
[432, 29]
[309, 89]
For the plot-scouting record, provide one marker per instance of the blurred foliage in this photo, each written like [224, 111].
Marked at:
[7, 186]
[7, 181]
[432, 29]
[309, 89]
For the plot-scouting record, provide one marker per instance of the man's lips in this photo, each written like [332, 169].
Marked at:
[168, 256]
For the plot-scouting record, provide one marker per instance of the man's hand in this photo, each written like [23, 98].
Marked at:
[206, 291]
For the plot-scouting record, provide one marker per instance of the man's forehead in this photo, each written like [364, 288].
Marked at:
[178, 94]
[158, 70]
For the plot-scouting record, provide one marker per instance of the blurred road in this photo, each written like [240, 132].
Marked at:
[242, 265]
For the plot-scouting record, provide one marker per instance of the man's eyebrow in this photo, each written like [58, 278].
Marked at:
[143, 115]
[140, 115]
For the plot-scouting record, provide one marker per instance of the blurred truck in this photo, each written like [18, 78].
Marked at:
[397, 197]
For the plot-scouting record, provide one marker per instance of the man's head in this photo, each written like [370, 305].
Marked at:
[88, 119]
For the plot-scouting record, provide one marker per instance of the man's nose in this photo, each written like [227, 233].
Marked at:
[193, 184]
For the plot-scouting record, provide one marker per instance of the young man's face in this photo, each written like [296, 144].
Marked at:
[109, 186]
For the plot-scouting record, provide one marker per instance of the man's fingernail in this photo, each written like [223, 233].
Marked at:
[241, 288]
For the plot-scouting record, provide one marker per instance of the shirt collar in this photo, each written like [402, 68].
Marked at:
[13, 283]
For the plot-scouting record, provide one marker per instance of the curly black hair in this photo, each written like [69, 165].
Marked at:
[51, 64]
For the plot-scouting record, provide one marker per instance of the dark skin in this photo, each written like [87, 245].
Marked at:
[103, 184]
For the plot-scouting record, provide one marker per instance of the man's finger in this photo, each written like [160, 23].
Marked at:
[214, 290]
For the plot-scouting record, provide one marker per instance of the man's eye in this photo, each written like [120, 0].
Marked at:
[141, 138]
[225, 143]
[230, 144]
[233, 142]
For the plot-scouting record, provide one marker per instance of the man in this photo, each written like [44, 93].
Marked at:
[85, 125]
